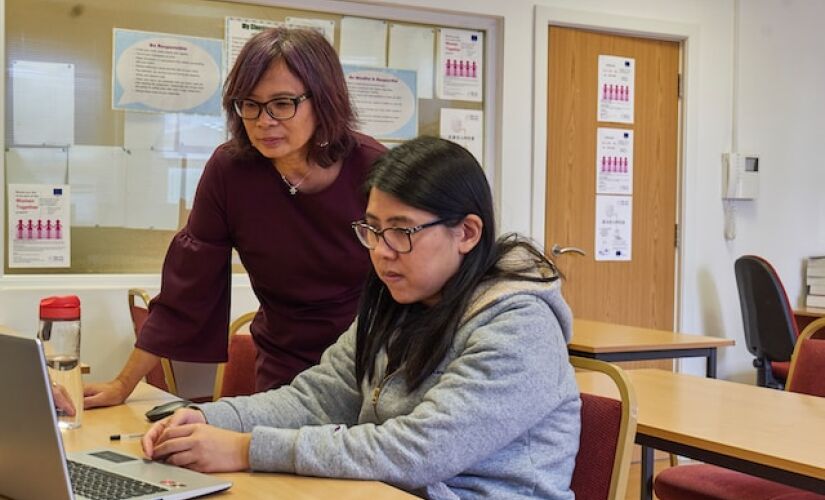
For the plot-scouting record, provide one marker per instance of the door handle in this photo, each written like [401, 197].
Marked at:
[560, 250]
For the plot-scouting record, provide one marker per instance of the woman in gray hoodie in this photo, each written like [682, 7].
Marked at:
[454, 381]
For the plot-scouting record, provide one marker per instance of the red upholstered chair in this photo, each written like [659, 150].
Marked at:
[161, 376]
[770, 325]
[236, 377]
[608, 427]
[709, 482]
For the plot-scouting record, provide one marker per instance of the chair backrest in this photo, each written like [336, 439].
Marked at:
[808, 362]
[236, 377]
[770, 326]
[161, 376]
[608, 429]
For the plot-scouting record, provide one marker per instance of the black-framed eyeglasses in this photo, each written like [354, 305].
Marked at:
[280, 108]
[398, 239]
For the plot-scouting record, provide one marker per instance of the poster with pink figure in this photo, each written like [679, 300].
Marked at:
[460, 62]
[614, 161]
[39, 234]
[616, 90]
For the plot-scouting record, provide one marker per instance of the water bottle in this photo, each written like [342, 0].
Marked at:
[59, 331]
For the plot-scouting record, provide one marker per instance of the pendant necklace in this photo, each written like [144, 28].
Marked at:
[293, 188]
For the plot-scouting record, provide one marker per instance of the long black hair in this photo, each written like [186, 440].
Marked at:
[442, 178]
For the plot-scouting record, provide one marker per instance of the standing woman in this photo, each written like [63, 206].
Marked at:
[282, 192]
[456, 382]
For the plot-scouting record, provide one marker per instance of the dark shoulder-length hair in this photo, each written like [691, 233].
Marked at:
[443, 178]
[312, 60]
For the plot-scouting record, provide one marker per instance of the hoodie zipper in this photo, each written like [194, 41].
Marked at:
[376, 393]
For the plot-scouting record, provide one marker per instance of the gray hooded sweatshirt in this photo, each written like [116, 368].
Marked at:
[498, 418]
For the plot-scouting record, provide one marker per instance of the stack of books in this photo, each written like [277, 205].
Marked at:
[815, 277]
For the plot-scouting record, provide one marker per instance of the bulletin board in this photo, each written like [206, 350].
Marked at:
[131, 166]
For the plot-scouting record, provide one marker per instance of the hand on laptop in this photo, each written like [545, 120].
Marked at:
[62, 400]
[186, 440]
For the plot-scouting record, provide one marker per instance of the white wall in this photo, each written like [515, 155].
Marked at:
[779, 98]
[106, 328]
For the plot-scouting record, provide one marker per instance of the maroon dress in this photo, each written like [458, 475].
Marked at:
[305, 265]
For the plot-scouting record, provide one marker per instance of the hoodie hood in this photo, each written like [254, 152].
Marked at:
[522, 261]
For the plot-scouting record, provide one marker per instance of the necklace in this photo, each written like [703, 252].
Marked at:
[293, 188]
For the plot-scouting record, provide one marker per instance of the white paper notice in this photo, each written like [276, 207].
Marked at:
[237, 31]
[195, 165]
[42, 103]
[614, 161]
[464, 127]
[155, 131]
[39, 234]
[384, 101]
[617, 89]
[413, 48]
[363, 42]
[201, 133]
[614, 227]
[460, 61]
[154, 183]
[324, 26]
[97, 175]
[36, 165]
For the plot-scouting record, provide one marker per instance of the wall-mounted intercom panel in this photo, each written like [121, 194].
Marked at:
[740, 176]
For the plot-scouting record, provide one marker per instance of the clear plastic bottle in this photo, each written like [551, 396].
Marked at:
[59, 331]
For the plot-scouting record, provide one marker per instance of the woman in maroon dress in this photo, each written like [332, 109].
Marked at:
[282, 192]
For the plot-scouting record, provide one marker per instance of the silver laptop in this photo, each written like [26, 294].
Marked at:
[33, 464]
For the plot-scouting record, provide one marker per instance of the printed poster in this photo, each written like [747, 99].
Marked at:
[384, 100]
[39, 222]
[164, 73]
[614, 161]
[238, 31]
[464, 127]
[614, 227]
[617, 89]
[460, 65]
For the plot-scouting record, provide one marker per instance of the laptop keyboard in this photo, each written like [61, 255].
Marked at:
[99, 484]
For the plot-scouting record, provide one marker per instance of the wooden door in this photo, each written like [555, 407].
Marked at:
[641, 291]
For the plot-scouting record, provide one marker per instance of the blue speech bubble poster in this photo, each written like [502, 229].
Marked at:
[166, 73]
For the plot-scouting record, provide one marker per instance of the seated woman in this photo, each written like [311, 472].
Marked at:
[455, 381]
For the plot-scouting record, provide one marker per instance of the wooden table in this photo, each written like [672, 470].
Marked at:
[100, 423]
[811, 312]
[764, 432]
[611, 342]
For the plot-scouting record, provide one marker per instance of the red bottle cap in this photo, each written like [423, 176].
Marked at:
[63, 307]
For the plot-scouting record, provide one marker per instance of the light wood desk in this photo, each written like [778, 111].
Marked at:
[100, 423]
[811, 312]
[764, 432]
[612, 342]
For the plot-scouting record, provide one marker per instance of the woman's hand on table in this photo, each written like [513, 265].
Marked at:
[186, 440]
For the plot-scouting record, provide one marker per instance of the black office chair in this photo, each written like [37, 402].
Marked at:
[770, 325]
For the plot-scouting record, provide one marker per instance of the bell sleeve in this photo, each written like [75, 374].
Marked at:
[189, 319]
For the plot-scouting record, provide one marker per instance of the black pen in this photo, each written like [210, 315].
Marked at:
[123, 437]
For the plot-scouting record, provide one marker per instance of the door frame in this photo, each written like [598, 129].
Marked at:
[688, 36]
